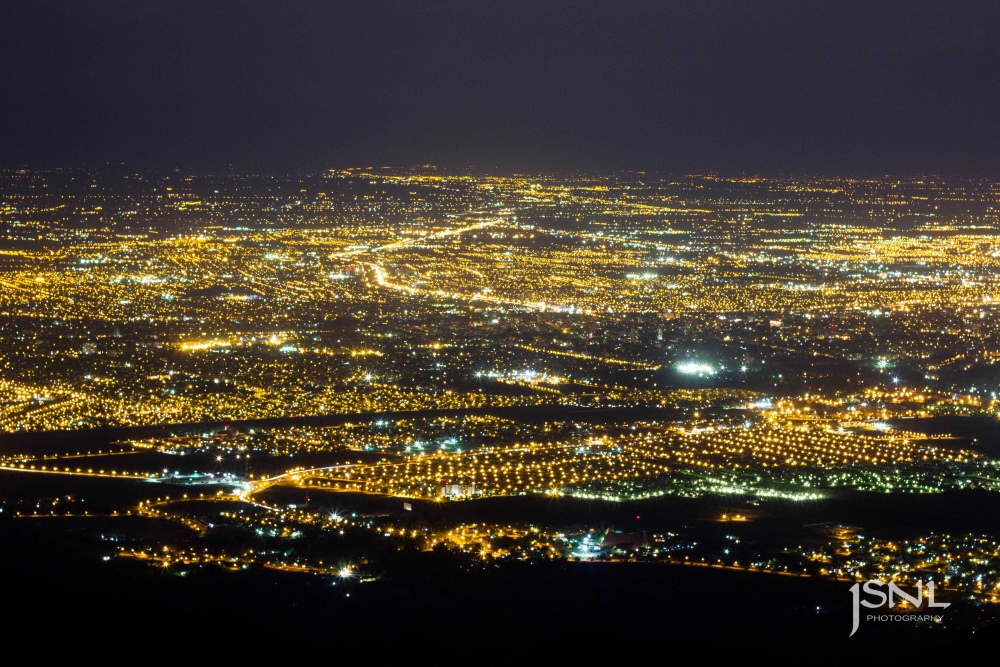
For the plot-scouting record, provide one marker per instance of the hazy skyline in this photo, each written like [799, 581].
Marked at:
[844, 87]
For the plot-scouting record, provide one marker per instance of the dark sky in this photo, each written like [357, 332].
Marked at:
[858, 87]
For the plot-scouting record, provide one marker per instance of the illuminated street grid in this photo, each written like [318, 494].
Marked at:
[750, 340]
[134, 299]
[475, 457]
[642, 463]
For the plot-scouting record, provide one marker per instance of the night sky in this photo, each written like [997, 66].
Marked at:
[835, 87]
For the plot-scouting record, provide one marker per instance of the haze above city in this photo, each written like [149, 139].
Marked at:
[846, 88]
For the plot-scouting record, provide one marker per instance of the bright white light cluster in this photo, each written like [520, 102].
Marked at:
[695, 368]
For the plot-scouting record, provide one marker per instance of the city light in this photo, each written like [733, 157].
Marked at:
[696, 368]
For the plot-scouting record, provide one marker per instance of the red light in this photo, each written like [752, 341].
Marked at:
[637, 517]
